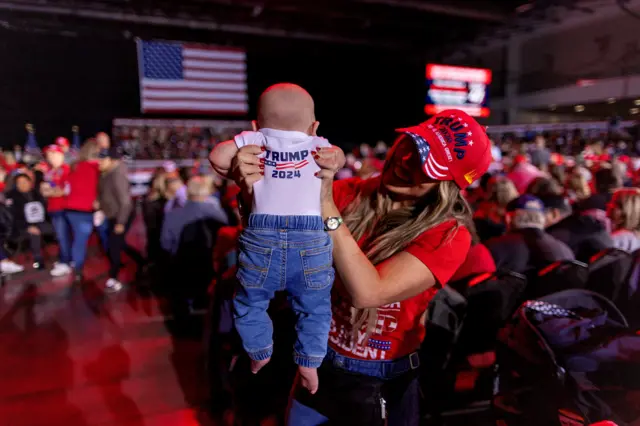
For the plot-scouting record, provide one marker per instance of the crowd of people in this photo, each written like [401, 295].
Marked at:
[411, 225]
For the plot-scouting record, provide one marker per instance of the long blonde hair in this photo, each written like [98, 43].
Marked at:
[387, 231]
[624, 209]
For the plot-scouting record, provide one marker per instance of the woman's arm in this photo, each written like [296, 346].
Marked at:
[398, 278]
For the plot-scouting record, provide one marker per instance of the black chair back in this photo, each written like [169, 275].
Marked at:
[609, 273]
[559, 276]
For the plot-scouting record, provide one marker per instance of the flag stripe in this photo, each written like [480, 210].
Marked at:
[196, 105]
[184, 94]
[214, 55]
[204, 85]
[192, 64]
[188, 78]
[207, 75]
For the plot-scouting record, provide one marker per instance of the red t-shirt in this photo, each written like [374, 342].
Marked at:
[57, 178]
[83, 186]
[399, 330]
[478, 261]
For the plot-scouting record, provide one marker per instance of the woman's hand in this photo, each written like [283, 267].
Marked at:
[247, 168]
[330, 160]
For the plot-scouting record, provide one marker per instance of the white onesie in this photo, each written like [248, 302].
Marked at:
[289, 186]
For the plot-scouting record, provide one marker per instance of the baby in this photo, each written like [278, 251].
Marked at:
[285, 245]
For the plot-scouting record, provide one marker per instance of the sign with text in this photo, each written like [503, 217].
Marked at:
[461, 88]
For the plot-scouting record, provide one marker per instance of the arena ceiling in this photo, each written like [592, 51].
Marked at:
[417, 25]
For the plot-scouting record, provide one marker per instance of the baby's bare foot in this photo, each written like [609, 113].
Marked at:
[309, 378]
[257, 365]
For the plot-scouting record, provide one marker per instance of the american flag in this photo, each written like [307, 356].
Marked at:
[291, 165]
[191, 78]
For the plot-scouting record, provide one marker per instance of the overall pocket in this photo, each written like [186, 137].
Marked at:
[253, 264]
[317, 265]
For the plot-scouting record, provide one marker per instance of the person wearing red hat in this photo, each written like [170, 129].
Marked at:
[55, 187]
[396, 239]
[64, 145]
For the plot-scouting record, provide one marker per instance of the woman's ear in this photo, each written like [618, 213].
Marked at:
[314, 128]
[254, 125]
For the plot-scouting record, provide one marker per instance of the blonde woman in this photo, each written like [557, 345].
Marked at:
[501, 191]
[397, 238]
[624, 212]
[577, 187]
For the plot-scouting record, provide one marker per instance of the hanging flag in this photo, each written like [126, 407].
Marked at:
[75, 144]
[191, 78]
[31, 146]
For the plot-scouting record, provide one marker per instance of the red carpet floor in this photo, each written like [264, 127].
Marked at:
[73, 355]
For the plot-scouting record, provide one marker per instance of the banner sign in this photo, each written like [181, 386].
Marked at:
[461, 88]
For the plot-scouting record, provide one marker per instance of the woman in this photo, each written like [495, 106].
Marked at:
[624, 212]
[54, 187]
[577, 186]
[83, 192]
[153, 213]
[405, 233]
[28, 209]
[489, 217]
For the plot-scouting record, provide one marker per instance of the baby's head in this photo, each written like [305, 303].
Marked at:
[286, 106]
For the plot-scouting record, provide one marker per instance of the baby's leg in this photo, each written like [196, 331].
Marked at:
[311, 301]
[256, 290]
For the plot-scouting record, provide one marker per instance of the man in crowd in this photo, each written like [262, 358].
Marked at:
[115, 202]
[526, 246]
[584, 234]
[540, 154]
[188, 235]
[103, 140]
[197, 208]
[606, 182]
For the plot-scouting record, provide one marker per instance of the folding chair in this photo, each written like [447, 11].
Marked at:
[559, 276]
[609, 272]
[464, 383]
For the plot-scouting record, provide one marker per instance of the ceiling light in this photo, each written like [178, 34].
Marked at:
[634, 111]
[552, 107]
[611, 101]
[579, 108]
[636, 102]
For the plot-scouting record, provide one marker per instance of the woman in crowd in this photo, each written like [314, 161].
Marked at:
[624, 212]
[28, 208]
[153, 212]
[405, 233]
[83, 192]
[490, 214]
[577, 186]
[54, 187]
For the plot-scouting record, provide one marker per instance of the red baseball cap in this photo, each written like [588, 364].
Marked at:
[452, 146]
[62, 142]
[53, 148]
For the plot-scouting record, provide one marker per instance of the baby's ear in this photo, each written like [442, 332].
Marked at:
[254, 125]
[314, 128]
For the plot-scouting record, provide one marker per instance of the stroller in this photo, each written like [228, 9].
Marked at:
[568, 358]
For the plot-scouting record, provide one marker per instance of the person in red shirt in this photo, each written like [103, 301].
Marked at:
[54, 188]
[403, 235]
[79, 205]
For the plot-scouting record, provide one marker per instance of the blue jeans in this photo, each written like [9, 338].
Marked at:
[82, 226]
[291, 253]
[61, 226]
[402, 390]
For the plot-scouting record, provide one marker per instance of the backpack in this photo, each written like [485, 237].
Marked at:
[568, 359]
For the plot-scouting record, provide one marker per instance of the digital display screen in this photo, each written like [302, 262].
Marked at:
[462, 88]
